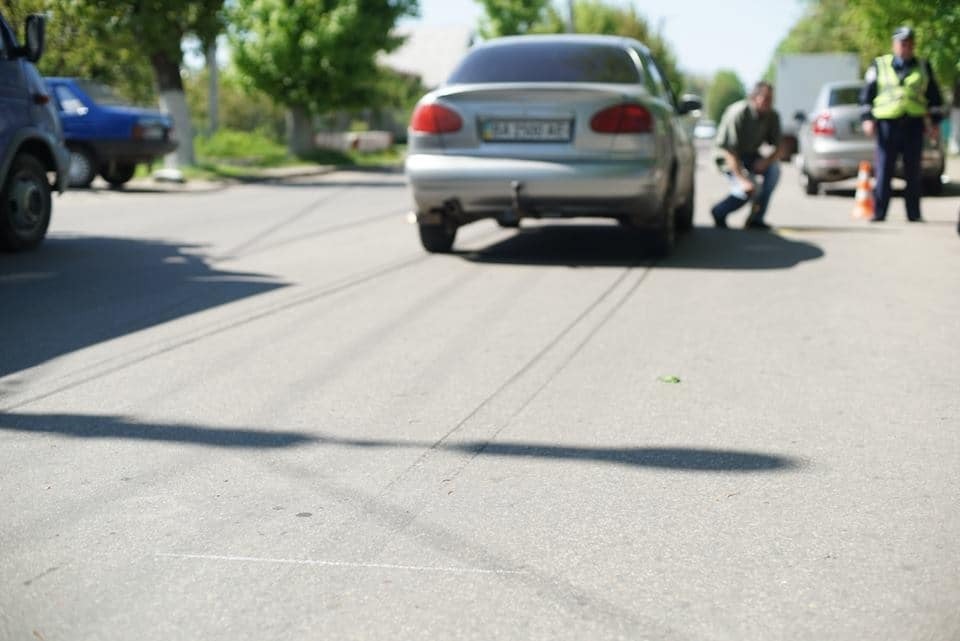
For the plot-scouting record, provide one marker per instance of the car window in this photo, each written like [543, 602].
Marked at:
[547, 62]
[101, 94]
[652, 76]
[844, 96]
[69, 103]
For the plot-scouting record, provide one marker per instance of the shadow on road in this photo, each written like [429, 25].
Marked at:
[117, 427]
[612, 246]
[675, 458]
[75, 292]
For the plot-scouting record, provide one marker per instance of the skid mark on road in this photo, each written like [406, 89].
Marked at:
[339, 564]
[289, 300]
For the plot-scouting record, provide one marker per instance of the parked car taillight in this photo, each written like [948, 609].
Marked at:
[435, 119]
[623, 119]
[823, 125]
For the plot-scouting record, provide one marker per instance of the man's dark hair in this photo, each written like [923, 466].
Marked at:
[760, 87]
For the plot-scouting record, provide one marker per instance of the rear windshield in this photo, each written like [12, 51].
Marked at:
[547, 62]
[844, 96]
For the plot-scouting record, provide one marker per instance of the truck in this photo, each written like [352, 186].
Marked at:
[798, 79]
[31, 140]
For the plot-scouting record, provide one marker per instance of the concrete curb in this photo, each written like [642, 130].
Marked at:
[273, 174]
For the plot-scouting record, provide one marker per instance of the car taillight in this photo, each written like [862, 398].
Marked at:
[435, 119]
[623, 119]
[137, 133]
[823, 125]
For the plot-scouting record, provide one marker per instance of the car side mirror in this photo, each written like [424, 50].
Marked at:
[800, 116]
[689, 102]
[34, 32]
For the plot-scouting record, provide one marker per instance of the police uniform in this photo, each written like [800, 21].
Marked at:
[900, 95]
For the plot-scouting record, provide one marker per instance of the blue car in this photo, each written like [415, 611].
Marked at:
[106, 135]
[31, 142]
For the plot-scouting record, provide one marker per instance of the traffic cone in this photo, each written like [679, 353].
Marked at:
[863, 206]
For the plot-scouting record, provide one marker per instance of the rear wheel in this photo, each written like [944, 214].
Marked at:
[810, 185]
[684, 216]
[438, 239]
[24, 205]
[932, 186]
[663, 238]
[83, 168]
[119, 174]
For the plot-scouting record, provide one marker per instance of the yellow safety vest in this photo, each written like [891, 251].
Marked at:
[895, 99]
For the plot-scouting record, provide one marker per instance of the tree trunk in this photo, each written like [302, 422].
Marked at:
[174, 102]
[213, 107]
[299, 131]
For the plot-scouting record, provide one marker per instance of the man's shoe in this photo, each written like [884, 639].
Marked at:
[915, 220]
[718, 220]
[757, 224]
[877, 219]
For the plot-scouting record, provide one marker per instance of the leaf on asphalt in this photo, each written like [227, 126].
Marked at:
[670, 379]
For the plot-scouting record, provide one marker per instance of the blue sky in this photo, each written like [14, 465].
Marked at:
[706, 34]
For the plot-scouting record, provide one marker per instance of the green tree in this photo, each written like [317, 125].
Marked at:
[725, 90]
[106, 39]
[936, 23]
[78, 45]
[159, 27]
[510, 17]
[241, 107]
[865, 27]
[314, 56]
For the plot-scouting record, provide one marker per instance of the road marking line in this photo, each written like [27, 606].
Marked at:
[344, 564]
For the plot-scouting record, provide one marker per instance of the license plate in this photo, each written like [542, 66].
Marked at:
[153, 133]
[526, 130]
[856, 127]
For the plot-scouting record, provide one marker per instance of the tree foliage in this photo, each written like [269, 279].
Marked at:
[316, 55]
[79, 44]
[510, 17]
[865, 27]
[726, 89]
[936, 23]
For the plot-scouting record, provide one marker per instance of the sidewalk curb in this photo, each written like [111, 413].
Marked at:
[199, 185]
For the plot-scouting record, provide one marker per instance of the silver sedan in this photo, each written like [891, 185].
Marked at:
[552, 126]
[832, 142]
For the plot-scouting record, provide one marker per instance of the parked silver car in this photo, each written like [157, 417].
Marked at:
[832, 142]
[552, 126]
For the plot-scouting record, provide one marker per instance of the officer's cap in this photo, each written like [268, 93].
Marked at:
[903, 33]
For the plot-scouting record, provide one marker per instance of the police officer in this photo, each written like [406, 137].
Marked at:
[902, 105]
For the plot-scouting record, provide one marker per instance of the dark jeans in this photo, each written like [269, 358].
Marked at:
[900, 137]
[761, 197]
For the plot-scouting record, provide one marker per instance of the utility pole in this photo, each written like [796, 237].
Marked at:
[570, 27]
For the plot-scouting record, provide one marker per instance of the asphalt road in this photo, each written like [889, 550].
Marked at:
[262, 412]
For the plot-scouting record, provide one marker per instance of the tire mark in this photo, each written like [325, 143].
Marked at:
[294, 300]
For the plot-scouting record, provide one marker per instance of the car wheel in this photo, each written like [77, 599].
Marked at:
[932, 186]
[438, 239]
[684, 216]
[121, 174]
[810, 185]
[82, 168]
[24, 205]
[663, 239]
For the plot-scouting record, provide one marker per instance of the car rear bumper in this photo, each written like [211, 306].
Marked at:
[132, 151]
[478, 187]
[838, 160]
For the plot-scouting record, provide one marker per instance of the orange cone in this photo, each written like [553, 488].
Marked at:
[863, 207]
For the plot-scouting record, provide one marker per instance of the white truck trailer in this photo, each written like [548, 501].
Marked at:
[798, 79]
